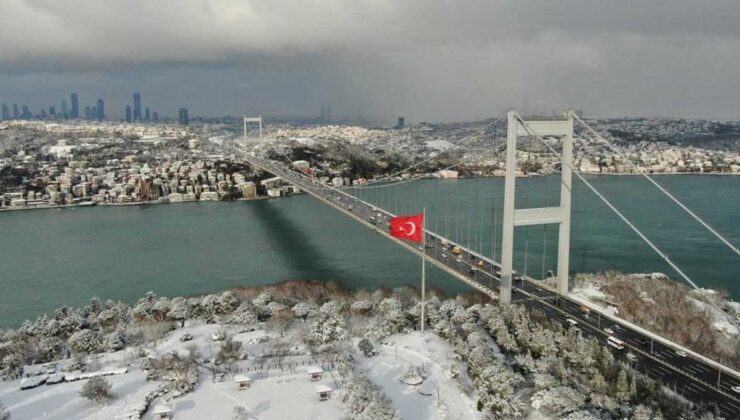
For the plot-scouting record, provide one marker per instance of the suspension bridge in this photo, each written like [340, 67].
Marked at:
[696, 377]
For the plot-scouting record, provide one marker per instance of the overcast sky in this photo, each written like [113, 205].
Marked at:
[424, 59]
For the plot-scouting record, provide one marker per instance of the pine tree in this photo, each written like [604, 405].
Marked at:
[622, 387]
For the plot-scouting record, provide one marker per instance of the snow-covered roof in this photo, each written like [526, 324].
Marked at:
[242, 378]
[162, 409]
[321, 388]
[314, 369]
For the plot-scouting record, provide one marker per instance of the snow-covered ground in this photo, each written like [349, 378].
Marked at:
[62, 401]
[434, 355]
[272, 398]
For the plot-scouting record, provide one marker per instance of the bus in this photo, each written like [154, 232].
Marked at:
[615, 342]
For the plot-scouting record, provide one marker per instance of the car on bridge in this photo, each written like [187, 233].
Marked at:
[609, 331]
[681, 353]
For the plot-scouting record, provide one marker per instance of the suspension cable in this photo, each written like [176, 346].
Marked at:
[663, 190]
[611, 206]
[435, 155]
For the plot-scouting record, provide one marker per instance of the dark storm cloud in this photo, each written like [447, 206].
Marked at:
[426, 59]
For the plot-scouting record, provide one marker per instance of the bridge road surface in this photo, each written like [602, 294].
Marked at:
[695, 379]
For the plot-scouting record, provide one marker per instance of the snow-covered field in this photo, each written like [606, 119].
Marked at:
[279, 395]
[436, 358]
[273, 398]
[62, 401]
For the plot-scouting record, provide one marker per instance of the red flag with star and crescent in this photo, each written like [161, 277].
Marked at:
[410, 228]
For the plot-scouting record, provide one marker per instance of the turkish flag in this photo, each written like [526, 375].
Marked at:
[410, 228]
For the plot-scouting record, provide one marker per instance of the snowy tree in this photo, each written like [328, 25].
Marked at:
[642, 412]
[244, 314]
[303, 309]
[51, 348]
[597, 383]
[4, 412]
[327, 324]
[160, 309]
[365, 346]
[179, 310]
[361, 307]
[622, 387]
[272, 308]
[145, 305]
[363, 400]
[558, 401]
[393, 316]
[116, 340]
[86, 341]
[240, 413]
[12, 365]
[96, 389]
[260, 303]
[581, 415]
[229, 351]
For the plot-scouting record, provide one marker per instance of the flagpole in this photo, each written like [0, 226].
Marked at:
[423, 264]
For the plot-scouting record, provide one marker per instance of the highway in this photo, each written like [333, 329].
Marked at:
[697, 380]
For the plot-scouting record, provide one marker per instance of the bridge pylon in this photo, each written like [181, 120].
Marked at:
[248, 128]
[560, 215]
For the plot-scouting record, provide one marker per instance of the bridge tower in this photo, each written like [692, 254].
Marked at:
[248, 121]
[513, 217]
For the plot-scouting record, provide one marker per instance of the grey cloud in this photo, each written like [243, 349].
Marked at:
[426, 59]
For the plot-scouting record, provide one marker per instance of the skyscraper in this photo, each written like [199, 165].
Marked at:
[146, 114]
[26, 115]
[101, 110]
[64, 109]
[155, 116]
[6, 112]
[183, 116]
[75, 107]
[128, 113]
[137, 107]
[94, 113]
[53, 111]
[16, 115]
[87, 113]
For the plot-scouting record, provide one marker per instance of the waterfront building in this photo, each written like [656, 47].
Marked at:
[128, 113]
[6, 112]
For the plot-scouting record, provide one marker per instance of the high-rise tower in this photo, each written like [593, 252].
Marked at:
[101, 110]
[75, 106]
[137, 107]
[184, 116]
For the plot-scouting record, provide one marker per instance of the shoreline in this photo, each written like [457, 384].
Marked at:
[427, 176]
[131, 204]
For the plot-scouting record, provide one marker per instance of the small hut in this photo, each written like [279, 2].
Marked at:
[315, 372]
[324, 391]
[242, 381]
[163, 411]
